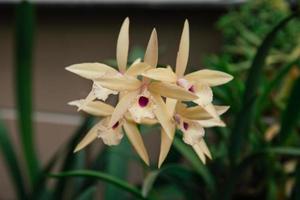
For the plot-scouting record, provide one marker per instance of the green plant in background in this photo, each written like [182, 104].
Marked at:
[255, 157]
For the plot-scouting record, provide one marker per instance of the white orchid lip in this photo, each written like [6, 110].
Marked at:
[143, 101]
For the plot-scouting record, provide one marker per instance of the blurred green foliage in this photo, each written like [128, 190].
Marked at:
[255, 157]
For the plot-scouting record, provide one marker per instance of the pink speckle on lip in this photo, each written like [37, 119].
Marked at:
[115, 125]
[192, 89]
[143, 101]
[185, 125]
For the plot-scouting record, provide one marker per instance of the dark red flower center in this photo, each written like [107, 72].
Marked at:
[192, 89]
[185, 125]
[115, 125]
[143, 101]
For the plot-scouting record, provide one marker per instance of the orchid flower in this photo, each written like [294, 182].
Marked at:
[143, 98]
[110, 135]
[150, 95]
[93, 71]
[199, 82]
[191, 121]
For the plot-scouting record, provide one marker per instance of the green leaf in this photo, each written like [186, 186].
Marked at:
[88, 194]
[70, 157]
[23, 69]
[296, 189]
[118, 167]
[291, 114]
[150, 179]
[244, 118]
[104, 177]
[262, 99]
[40, 190]
[11, 162]
[191, 156]
[291, 151]
[149, 182]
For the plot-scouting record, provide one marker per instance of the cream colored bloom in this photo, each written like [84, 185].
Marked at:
[191, 121]
[143, 98]
[110, 135]
[93, 71]
[199, 82]
[150, 95]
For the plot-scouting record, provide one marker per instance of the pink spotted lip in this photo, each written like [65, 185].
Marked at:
[115, 125]
[192, 89]
[143, 101]
[185, 125]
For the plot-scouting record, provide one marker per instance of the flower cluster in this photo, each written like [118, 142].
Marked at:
[148, 94]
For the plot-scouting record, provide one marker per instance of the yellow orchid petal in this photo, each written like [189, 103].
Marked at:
[205, 97]
[204, 148]
[211, 110]
[212, 122]
[162, 115]
[210, 77]
[119, 83]
[123, 45]
[88, 138]
[221, 109]
[171, 105]
[171, 91]
[151, 54]
[199, 153]
[96, 108]
[165, 146]
[136, 140]
[137, 69]
[183, 52]
[138, 60]
[91, 70]
[199, 113]
[121, 108]
[204, 93]
[161, 74]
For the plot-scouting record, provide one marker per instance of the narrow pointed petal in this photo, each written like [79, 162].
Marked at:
[165, 146]
[96, 108]
[137, 69]
[90, 97]
[221, 109]
[87, 139]
[119, 83]
[172, 91]
[161, 74]
[204, 148]
[151, 54]
[210, 77]
[200, 153]
[199, 113]
[123, 46]
[212, 122]
[136, 140]
[211, 110]
[171, 105]
[162, 115]
[91, 70]
[121, 108]
[183, 52]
